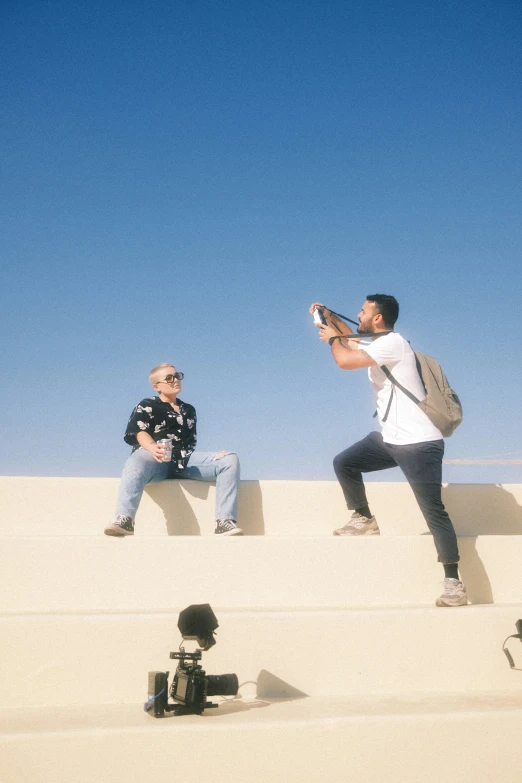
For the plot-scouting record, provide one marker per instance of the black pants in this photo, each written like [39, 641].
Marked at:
[421, 463]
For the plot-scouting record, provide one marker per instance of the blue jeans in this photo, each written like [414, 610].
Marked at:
[141, 468]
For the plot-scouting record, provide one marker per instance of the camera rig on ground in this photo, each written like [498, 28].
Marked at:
[191, 685]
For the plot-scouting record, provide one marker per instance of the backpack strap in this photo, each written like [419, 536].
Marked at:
[394, 382]
[389, 404]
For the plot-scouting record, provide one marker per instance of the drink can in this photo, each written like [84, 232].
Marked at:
[167, 445]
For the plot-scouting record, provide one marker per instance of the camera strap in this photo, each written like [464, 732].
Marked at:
[361, 336]
[356, 323]
[344, 317]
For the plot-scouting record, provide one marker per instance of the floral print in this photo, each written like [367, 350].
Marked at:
[162, 421]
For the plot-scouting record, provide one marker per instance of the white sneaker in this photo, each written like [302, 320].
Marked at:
[358, 525]
[454, 593]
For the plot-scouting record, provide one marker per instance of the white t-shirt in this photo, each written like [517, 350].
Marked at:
[406, 422]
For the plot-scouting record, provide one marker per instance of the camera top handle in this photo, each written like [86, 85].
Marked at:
[180, 656]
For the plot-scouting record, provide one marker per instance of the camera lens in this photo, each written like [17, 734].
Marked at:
[222, 684]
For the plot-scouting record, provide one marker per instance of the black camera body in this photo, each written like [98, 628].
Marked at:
[190, 689]
[191, 685]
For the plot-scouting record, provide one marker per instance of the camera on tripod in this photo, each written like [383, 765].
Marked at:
[191, 685]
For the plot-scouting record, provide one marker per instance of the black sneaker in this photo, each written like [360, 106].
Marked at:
[122, 526]
[227, 527]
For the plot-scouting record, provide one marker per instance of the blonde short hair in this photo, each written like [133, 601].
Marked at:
[156, 370]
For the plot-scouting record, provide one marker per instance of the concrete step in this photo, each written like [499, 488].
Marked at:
[82, 506]
[411, 737]
[348, 671]
[63, 574]
[86, 659]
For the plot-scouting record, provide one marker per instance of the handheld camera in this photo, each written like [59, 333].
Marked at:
[319, 318]
[190, 689]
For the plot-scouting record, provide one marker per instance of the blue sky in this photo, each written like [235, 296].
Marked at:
[180, 180]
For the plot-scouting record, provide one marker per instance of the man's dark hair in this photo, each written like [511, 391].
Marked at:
[387, 306]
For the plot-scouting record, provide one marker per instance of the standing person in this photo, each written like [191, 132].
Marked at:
[408, 438]
[168, 417]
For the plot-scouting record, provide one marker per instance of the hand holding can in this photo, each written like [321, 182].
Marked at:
[166, 443]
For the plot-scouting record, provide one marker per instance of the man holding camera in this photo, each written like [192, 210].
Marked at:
[167, 418]
[408, 438]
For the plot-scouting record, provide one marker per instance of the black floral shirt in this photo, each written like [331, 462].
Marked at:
[160, 420]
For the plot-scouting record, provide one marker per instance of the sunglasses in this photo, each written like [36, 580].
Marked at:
[178, 376]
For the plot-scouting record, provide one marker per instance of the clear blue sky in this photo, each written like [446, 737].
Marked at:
[180, 180]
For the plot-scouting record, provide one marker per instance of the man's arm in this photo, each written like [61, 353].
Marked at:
[349, 359]
[331, 319]
[338, 324]
[340, 327]
[345, 357]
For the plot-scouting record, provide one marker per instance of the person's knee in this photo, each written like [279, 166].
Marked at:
[140, 464]
[341, 465]
[230, 462]
[139, 458]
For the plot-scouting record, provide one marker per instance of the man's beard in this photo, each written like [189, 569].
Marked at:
[362, 330]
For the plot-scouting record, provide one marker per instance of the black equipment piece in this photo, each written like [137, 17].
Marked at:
[518, 635]
[198, 622]
[191, 685]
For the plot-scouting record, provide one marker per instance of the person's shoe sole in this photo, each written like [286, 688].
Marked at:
[236, 532]
[351, 535]
[440, 602]
[117, 532]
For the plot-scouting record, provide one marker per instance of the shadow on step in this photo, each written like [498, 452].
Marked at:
[180, 518]
[271, 687]
[482, 509]
[234, 705]
[269, 690]
[473, 573]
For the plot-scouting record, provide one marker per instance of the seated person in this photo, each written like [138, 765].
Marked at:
[168, 417]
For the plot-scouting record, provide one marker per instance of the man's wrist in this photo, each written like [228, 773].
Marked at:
[331, 340]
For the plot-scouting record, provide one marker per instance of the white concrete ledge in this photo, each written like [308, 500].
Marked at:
[379, 683]
[100, 658]
[82, 506]
[405, 737]
[296, 742]
[67, 574]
